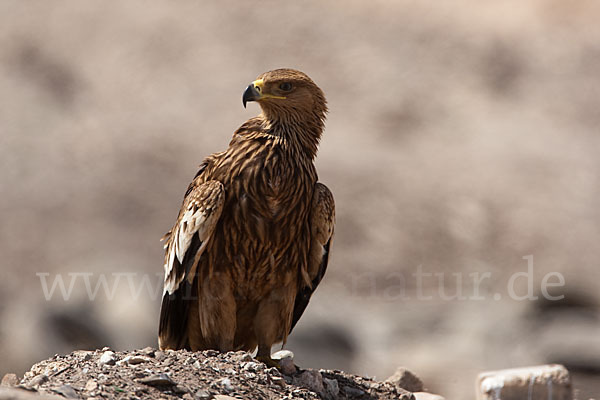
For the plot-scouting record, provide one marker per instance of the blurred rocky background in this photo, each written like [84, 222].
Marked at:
[463, 136]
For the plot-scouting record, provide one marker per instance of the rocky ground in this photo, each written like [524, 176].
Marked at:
[149, 373]
[462, 137]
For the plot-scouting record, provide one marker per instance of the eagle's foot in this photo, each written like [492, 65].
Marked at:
[269, 362]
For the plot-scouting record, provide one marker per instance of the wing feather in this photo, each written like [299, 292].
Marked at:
[199, 215]
[185, 244]
[322, 227]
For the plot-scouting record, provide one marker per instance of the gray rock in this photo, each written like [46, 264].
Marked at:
[180, 389]
[405, 379]
[149, 351]
[67, 391]
[332, 386]
[160, 380]
[134, 360]
[352, 391]
[38, 380]
[286, 361]
[160, 355]
[288, 367]
[310, 379]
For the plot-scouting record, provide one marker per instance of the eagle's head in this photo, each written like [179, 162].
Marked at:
[287, 94]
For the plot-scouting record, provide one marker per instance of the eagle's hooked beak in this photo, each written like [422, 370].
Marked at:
[255, 92]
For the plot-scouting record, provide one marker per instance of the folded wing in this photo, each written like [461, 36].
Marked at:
[185, 244]
[322, 225]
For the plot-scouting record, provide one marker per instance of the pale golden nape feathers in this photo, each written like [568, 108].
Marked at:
[251, 242]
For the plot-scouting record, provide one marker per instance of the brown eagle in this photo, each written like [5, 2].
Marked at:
[252, 240]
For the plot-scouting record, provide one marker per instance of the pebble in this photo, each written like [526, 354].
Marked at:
[107, 358]
[252, 366]
[149, 351]
[133, 360]
[85, 355]
[9, 380]
[67, 391]
[160, 355]
[38, 380]
[278, 381]
[225, 383]
[224, 397]
[158, 380]
[91, 385]
[406, 380]
[180, 389]
[203, 394]
[352, 391]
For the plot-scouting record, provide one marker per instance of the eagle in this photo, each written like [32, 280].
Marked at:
[252, 239]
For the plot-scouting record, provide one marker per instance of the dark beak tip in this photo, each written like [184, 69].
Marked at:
[250, 94]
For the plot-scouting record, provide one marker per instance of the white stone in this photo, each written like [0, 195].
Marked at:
[107, 358]
[427, 396]
[532, 383]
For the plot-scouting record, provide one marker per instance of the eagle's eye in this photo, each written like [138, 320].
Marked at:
[285, 86]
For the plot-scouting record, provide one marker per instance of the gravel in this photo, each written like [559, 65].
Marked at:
[186, 375]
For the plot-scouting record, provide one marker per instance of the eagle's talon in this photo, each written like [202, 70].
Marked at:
[269, 362]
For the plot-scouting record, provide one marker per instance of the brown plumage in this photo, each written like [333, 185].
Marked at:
[252, 239]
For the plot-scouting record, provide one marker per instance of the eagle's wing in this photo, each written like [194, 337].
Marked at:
[185, 244]
[322, 222]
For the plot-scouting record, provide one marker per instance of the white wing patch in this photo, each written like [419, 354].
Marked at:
[199, 215]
